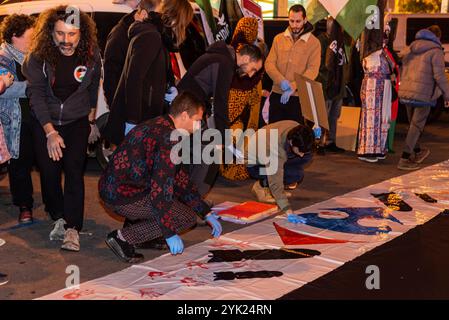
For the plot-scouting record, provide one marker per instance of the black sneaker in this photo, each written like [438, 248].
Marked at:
[156, 244]
[122, 249]
[332, 147]
[3, 279]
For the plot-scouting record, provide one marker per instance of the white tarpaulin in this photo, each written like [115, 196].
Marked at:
[245, 264]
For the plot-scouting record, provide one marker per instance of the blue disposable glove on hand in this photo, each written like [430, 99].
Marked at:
[212, 219]
[128, 127]
[286, 96]
[175, 244]
[171, 94]
[285, 85]
[294, 218]
[317, 132]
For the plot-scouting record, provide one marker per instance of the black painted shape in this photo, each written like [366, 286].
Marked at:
[3, 278]
[426, 197]
[229, 276]
[393, 201]
[267, 254]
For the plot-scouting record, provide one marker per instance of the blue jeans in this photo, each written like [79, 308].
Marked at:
[293, 170]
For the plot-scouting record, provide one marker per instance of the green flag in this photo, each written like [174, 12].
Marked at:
[315, 11]
[355, 14]
[351, 14]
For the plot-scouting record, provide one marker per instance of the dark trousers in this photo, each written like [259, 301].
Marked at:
[202, 175]
[67, 203]
[417, 117]
[333, 112]
[19, 170]
[145, 226]
[289, 111]
[293, 170]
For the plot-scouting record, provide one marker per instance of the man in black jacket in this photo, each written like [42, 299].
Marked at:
[117, 47]
[210, 77]
[63, 71]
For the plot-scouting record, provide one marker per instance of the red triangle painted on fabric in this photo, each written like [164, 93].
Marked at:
[289, 237]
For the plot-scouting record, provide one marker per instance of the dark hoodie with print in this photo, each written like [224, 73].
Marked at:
[210, 76]
[46, 107]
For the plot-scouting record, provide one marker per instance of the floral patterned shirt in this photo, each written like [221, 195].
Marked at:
[141, 166]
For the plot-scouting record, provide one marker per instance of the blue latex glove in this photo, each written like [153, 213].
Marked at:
[317, 132]
[294, 218]
[175, 244]
[171, 94]
[285, 85]
[128, 127]
[286, 96]
[212, 219]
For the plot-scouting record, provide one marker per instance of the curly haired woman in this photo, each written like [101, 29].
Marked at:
[16, 32]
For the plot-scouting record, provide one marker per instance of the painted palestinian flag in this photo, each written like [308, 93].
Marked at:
[351, 14]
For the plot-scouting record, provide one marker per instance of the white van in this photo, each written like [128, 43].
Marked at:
[405, 26]
[104, 12]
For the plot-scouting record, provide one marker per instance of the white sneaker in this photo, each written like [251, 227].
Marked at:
[71, 240]
[58, 230]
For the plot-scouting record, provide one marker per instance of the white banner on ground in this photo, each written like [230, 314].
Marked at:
[246, 264]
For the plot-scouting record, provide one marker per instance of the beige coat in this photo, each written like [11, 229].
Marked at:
[287, 57]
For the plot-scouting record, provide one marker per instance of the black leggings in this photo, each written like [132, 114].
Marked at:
[19, 170]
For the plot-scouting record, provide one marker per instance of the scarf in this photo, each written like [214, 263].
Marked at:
[16, 54]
